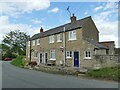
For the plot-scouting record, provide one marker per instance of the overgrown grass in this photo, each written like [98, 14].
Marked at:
[18, 61]
[111, 73]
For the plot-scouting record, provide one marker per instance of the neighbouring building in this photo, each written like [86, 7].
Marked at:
[73, 44]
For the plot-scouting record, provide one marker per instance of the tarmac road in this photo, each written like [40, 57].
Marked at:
[14, 77]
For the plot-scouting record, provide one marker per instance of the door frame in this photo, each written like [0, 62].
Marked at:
[79, 58]
[45, 57]
[39, 58]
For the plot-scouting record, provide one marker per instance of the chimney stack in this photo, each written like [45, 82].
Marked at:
[41, 30]
[73, 18]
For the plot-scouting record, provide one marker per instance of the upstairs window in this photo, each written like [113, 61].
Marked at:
[51, 39]
[72, 35]
[87, 55]
[38, 41]
[33, 43]
[59, 38]
[107, 51]
[28, 43]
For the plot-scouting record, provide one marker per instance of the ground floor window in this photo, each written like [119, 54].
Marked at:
[35, 53]
[52, 55]
[28, 55]
[69, 54]
[87, 55]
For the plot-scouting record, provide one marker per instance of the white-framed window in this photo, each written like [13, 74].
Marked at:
[51, 39]
[69, 54]
[38, 41]
[59, 38]
[87, 54]
[52, 55]
[28, 55]
[28, 43]
[33, 43]
[72, 35]
[36, 53]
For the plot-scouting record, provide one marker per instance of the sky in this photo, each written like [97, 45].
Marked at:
[30, 16]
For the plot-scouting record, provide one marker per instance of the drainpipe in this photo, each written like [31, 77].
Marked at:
[30, 51]
[64, 45]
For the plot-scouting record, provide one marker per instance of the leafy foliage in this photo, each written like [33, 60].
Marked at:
[18, 61]
[14, 43]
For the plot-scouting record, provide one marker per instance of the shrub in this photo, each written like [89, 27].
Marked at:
[18, 61]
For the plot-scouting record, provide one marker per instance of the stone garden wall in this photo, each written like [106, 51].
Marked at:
[106, 60]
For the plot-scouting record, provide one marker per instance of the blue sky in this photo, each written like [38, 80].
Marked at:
[30, 16]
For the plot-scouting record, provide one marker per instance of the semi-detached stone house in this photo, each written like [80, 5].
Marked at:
[73, 44]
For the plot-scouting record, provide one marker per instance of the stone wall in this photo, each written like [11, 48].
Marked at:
[106, 60]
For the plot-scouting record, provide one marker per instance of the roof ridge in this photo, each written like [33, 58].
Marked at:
[58, 29]
[68, 23]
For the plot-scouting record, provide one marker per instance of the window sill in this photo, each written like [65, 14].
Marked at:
[72, 39]
[69, 57]
[59, 41]
[51, 42]
[38, 44]
[87, 58]
[52, 59]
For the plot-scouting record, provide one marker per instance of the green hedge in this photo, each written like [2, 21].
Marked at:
[18, 61]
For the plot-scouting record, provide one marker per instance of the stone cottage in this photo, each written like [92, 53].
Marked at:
[73, 44]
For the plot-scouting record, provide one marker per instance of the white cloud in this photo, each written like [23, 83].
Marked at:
[4, 20]
[111, 5]
[6, 27]
[98, 8]
[108, 29]
[15, 8]
[36, 21]
[54, 10]
[85, 13]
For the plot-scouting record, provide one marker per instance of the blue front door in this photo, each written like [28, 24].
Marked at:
[76, 59]
[46, 57]
[40, 57]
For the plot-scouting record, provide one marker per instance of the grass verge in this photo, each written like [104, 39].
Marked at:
[18, 61]
[110, 73]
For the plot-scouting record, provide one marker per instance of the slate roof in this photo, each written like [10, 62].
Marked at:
[59, 29]
[107, 43]
[95, 43]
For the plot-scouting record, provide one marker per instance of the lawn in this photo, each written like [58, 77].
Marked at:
[111, 73]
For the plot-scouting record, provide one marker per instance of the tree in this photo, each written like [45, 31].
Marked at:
[15, 42]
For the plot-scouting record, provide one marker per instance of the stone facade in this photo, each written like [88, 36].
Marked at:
[78, 52]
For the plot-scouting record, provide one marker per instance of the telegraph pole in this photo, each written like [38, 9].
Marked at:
[64, 45]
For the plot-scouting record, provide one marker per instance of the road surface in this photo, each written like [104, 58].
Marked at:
[14, 77]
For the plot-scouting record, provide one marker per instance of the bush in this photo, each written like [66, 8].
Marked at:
[9, 54]
[18, 61]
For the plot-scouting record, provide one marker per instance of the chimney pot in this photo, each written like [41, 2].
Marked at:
[73, 18]
[41, 30]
